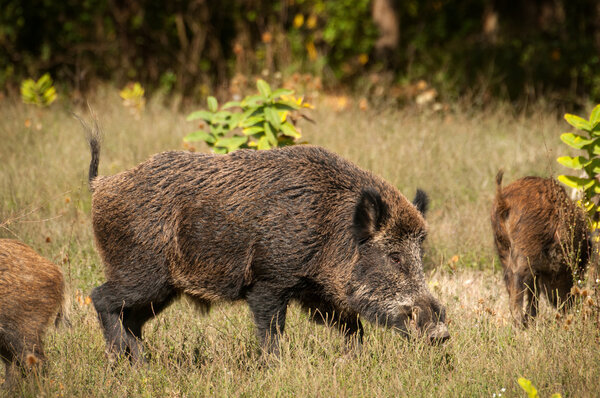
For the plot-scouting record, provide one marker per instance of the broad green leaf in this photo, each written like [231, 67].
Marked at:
[592, 167]
[576, 182]
[252, 100]
[234, 120]
[288, 129]
[284, 141]
[595, 115]
[50, 95]
[231, 143]
[283, 115]
[221, 117]
[251, 121]
[576, 162]
[44, 82]
[281, 91]
[272, 117]
[575, 141]
[578, 122]
[252, 130]
[213, 105]
[199, 136]
[231, 104]
[587, 206]
[204, 115]
[286, 106]
[263, 88]
[219, 150]
[270, 135]
[528, 387]
[263, 143]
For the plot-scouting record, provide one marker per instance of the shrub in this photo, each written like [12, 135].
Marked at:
[40, 93]
[265, 121]
[589, 142]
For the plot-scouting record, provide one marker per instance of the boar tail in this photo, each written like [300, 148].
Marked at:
[95, 149]
[499, 181]
[93, 136]
[501, 206]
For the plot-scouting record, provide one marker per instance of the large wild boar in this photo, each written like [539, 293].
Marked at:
[31, 294]
[268, 227]
[542, 241]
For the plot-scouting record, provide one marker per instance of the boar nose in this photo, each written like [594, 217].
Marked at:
[439, 334]
[431, 318]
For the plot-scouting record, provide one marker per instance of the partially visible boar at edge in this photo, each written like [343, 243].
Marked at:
[31, 296]
[268, 227]
[542, 240]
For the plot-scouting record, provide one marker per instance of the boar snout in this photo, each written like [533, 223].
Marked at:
[430, 318]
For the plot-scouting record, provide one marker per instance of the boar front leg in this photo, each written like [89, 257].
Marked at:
[519, 281]
[269, 307]
[533, 294]
[325, 314]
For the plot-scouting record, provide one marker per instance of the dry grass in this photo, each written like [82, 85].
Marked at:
[453, 155]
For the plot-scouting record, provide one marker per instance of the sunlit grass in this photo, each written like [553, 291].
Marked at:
[453, 155]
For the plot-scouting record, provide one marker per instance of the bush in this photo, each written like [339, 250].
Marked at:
[40, 92]
[589, 142]
[264, 120]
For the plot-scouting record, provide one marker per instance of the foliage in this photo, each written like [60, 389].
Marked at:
[531, 391]
[264, 120]
[41, 92]
[589, 142]
[342, 32]
[133, 98]
[527, 48]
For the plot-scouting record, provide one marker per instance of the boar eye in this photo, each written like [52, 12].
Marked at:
[396, 258]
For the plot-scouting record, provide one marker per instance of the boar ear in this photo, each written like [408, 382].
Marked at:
[421, 201]
[369, 215]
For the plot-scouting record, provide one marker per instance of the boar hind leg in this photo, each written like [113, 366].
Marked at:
[558, 291]
[269, 308]
[123, 312]
[11, 372]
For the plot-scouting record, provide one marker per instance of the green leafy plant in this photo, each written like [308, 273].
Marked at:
[133, 98]
[40, 93]
[264, 121]
[531, 391]
[588, 140]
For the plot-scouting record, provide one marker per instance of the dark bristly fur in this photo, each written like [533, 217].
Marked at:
[542, 241]
[31, 294]
[298, 223]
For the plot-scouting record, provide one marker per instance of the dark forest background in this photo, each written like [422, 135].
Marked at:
[493, 48]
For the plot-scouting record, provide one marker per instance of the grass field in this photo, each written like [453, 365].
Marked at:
[453, 155]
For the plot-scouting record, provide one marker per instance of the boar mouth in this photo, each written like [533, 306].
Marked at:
[416, 322]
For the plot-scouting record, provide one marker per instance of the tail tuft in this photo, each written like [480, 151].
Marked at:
[93, 135]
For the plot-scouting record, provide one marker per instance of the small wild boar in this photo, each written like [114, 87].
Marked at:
[542, 241]
[31, 295]
[268, 227]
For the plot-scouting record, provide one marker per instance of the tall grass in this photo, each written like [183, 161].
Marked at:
[453, 155]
